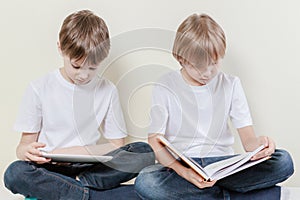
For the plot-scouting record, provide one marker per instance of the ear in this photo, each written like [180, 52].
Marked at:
[59, 49]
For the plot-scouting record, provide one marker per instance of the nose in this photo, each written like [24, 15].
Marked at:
[83, 74]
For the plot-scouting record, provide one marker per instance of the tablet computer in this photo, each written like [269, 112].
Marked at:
[76, 158]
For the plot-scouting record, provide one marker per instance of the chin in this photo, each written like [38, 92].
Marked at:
[81, 83]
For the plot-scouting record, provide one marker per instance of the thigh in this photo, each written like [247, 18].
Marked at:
[158, 182]
[132, 158]
[127, 162]
[30, 179]
[71, 170]
[266, 174]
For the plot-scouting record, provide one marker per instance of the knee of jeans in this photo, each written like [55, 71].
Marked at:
[142, 147]
[13, 174]
[147, 184]
[145, 150]
[285, 162]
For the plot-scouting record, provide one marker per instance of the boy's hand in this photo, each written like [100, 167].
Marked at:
[268, 150]
[194, 178]
[31, 152]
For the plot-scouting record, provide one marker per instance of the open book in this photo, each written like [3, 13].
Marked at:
[220, 169]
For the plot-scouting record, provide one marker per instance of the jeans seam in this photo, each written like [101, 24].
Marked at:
[86, 194]
[140, 196]
[83, 180]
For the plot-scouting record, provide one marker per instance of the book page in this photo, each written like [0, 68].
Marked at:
[232, 164]
[222, 174]
[217, 166]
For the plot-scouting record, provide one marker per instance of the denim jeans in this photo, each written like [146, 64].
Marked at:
[159, 182]
[57, 182]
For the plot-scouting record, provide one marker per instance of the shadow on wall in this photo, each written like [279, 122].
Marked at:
[134, 68]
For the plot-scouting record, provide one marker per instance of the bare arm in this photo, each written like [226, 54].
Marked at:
[250, 142]
[28, 148]
[99, 149]
[166, 159]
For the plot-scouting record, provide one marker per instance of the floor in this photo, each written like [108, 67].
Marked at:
[7, 195]
[290, 193]
[287, 193]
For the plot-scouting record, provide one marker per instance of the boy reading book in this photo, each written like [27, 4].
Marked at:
[62, 113]
[191, 108]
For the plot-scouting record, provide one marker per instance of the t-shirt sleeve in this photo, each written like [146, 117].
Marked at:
[158, 110]
[113, 126]
[239, 112]
[29, 118]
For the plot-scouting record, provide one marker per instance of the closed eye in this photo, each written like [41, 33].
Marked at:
[75, 67]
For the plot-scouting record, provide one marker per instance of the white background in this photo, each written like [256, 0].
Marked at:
[263, 50]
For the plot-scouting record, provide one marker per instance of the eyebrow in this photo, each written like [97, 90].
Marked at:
[80, 66]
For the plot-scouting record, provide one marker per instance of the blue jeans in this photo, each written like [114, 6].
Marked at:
[159, 182]
[57, 182]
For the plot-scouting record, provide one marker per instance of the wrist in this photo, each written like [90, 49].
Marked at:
[19, 153]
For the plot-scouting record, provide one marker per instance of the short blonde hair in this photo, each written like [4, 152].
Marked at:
[84, 35]
[199, 39]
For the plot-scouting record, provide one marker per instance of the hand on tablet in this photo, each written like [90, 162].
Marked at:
[31, 152]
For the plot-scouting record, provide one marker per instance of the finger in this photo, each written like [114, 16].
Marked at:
[38, 145]
[266, 141]
[206, 184]
[34, 151]
[35, 158]
[43, 162]
[261, 154]
[35, 148]
[197, 181]
[272, 146]
[269, 151]
[39, 159]
[201, 183]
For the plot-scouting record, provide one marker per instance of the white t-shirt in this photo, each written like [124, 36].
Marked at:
[195, 118]
[68, 115]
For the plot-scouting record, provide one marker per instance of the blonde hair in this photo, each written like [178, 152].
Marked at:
[84, 35]
[199, 38]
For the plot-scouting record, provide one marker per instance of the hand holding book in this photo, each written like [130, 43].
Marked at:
[220, 169]
[195, 178]
[269, 148]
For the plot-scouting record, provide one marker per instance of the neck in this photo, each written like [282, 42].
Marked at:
[64, 74]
